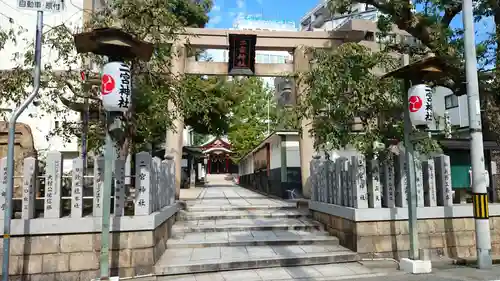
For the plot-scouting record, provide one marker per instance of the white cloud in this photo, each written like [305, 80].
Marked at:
[216, 8]
[215, 20]
[240, 4]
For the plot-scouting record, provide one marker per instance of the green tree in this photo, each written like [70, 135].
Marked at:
[153, 21]
[249, 119]
[337, 98]
[430, 25]
[207, 104]
[353, 106]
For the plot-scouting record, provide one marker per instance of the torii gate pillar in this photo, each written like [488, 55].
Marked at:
[306, 143]
[174, 139]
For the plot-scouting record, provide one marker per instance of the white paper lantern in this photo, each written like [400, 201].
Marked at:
[116, 86]
[420, 105]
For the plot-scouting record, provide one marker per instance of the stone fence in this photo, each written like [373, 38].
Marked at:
[57, 217]
[364, 203]
[357, 183]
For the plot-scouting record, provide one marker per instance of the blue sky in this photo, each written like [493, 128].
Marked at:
[225, 12]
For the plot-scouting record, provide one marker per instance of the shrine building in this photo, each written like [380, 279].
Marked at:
[217, 156]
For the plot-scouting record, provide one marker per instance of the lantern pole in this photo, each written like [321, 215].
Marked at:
[118, 46]
[410, 172]
[106, 193]
[113, 127]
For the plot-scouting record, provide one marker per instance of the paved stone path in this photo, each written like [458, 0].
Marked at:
[297, 273]
[231, 233]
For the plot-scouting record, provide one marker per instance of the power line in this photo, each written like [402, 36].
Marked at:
[11, 20]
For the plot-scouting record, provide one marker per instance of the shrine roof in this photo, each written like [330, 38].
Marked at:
[213, 139]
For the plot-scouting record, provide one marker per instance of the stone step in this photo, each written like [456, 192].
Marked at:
[211, 259]
[250, 238]
[200, 207]
[242, 214]
[246, 225]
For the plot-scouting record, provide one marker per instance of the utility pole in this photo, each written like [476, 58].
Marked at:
[11, 141]
[480, 193]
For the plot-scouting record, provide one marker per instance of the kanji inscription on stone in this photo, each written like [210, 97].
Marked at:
[29, 184]
[143, 181]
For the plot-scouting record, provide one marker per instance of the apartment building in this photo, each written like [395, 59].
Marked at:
[320, 18]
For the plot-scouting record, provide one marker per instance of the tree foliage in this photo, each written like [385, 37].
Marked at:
[249, 118]
[353, 106]
[208, 103]
[352, 91]
[429, 22]
[153, 86]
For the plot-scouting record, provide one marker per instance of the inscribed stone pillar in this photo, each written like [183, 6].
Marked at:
[30, 168]
[314, 166]
[374, 185]
[443, 180]
[429, 172]
[332, 192]
[419, 184]
[389, 183]
[401, 188]
[3, 186]
[360, 196]
[301, 64]
[173, 141]
[163, 184]
[157, 195]
[348, 169]
[53, 185]
[98, 186]
[338, 181]
[77, 188]
[120, 168]
[143, 181]
[318, 179]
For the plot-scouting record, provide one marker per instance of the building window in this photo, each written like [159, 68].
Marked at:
[450, 101]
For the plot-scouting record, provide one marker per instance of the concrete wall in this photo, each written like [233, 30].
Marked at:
[280, 180]
[69, 256]
[292, 151]
[444, 231]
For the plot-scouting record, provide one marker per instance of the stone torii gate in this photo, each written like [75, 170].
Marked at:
[294, 42]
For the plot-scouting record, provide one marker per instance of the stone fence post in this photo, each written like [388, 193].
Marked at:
[53, 188]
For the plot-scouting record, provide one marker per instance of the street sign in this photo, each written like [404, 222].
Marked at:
[41, 5]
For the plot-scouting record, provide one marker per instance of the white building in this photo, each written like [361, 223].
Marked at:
[321, 19]
[41, 123]
[444, 100]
